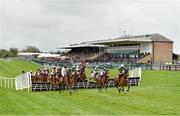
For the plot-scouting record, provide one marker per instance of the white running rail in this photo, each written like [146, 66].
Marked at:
[135, 73]
[7, 82]
[21, 82]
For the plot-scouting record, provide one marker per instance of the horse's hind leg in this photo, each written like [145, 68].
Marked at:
[99, 87]
[128, 87]
[122, 89]
[119, 89]
[70, 89]
[116, 85]
[74, 87]
[60, 87]
[105, 86]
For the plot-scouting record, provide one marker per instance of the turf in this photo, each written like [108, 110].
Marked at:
[158, 93]
[13, 67]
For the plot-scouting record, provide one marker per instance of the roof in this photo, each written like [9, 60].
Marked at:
[157, 37]
[126, 39]
[138, 38]
[27, 54]
[45, 55]
[81, 46]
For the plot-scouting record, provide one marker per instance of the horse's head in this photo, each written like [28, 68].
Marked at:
[106, 74]
[123, 75]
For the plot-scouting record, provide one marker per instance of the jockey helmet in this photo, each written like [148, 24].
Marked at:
[121, 66]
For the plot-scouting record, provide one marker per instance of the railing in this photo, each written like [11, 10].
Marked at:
[175, 67]
[21, 82]
[7, 82]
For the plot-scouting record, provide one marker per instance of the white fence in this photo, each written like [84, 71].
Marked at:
[7, 82]
[21, 82]
[135, 73]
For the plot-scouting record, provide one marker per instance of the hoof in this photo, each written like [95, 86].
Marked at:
[119, 91]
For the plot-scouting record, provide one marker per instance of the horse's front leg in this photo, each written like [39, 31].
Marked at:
[106, 86]
[122, 89]
[117, 86]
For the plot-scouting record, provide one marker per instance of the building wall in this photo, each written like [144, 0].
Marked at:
[145, 47]
[162, 51]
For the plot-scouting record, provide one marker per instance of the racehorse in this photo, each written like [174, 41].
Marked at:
[67, 82]
[121, 80]
[34, 77]
[102, 81]
[81, 74]
[74, 79]
[45, 76]
[56, 78]
[39, 77]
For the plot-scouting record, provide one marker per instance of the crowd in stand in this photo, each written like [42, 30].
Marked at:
[80, 55]
[142, 55]
[76, 56]
[117, 58]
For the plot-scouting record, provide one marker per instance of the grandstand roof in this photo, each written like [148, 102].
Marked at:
[158, 37]
[139, 38]
[45, 55]
[27, 54]
[81, 46]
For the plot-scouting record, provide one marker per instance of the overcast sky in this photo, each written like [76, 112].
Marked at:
[49, 24]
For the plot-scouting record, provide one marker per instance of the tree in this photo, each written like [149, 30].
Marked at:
[31, 49]
[13, 52]
[3, 53]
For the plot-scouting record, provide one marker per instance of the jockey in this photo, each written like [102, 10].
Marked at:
[38, 72]
[78, 68]
[57, 68]
[53, 72]
[46, 71]
[103, 72]
[73, 68]
[122, 69]
[95, 72]
[64, 71]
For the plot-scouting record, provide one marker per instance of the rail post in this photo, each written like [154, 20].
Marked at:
[160, 66]
[12, 83]
[5, 82]
[8, 82]
[1, 81]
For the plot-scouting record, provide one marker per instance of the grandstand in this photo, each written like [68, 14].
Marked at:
[149, 48]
